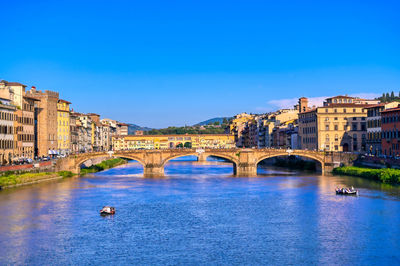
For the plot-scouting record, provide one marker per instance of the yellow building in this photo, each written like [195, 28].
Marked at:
[148, 142]
[339, 125]
[63, 131]
[244, 127]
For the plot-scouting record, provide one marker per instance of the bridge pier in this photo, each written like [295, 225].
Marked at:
[152, 170]
[202, 157]
[245, 170]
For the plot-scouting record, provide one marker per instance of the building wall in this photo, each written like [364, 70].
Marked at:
[132, 142]
[374, 121]
[334, 127]
[342, 128]
[73, 129]
[64, 129]
[390, 132]
[47, 126]
[7, 118]
[25, 129]
[308, 130]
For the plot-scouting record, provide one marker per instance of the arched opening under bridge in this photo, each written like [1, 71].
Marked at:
[275, 164]
[91, 162]
[193, 165]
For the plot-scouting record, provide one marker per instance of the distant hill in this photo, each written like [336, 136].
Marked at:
[213, 120]
[132, 128]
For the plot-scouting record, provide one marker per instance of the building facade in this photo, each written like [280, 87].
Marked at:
[122, 129]
[374, 123]
[243, 127]
[46, 141]
[7, 118]
[134, 142]
[390, 132]
[269, 123]
[25, 128]
[85, 129]
[339, 125]
[64, 128]
[73, 129]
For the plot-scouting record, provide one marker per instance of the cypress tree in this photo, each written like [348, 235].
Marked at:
[392, 96]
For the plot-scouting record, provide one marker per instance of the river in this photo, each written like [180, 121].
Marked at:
[200, 214]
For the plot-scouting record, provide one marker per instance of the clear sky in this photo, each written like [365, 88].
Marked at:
[160, 63]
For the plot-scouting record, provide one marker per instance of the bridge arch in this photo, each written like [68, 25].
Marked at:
[80, 161]
[301, 154]
[206, 154]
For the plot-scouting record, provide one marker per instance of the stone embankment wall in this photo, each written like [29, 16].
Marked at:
[34, 168]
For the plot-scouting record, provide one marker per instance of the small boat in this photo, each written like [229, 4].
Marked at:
[346, 191]
[107, 210]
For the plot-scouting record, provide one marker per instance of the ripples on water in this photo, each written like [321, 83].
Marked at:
[200, 214]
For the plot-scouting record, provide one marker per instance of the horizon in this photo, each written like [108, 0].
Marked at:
[158, 64]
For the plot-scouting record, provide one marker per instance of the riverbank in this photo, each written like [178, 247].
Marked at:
[10, 179]
[384, 175]
[107, 164]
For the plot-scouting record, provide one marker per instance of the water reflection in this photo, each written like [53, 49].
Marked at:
[200, 214]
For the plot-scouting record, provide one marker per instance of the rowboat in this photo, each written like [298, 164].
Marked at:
[346, 191]
[107, 210]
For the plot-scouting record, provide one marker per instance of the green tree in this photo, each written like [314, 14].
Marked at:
[387, 96]
[180, 145]
[188, 145]
[216, 123]
[383, 98]
[392, 96]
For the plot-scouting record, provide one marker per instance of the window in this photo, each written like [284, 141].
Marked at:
[344, 110]
[326, 127]
[326, 110]
[354, 110]
[335, 110]
[335, 118]
[354, 126]
[336, 137]
[336, 127]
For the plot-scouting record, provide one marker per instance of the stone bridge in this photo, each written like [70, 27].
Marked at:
[244, 161]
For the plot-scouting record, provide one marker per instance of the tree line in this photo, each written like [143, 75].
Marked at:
[386, 97]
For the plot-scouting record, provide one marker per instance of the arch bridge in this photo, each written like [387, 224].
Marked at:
[244, 161]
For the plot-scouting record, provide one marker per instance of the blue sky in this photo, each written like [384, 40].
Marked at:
[160, 63]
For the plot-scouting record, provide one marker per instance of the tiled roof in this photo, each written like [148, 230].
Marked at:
[12, 83]
[63, 101]
[391, 110]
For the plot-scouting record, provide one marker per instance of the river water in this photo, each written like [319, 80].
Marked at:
[200, 214]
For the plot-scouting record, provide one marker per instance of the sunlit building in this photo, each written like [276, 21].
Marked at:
[134, 142]
[64, 127]
[339, 125]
